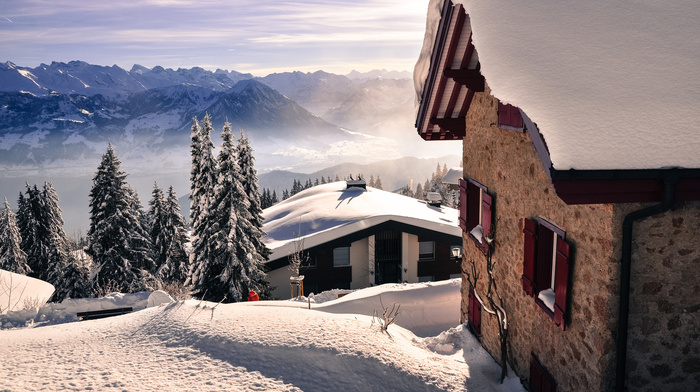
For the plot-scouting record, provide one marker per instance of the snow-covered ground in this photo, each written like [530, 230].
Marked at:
[261, 346]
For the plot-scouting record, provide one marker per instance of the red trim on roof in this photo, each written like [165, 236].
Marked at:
[639, 190]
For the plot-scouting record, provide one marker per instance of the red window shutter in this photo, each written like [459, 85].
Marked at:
[486, 217]
[529, 257]
[463, 204]
[545, 257]
[509, 117]
[561, 283]
[540, 380]
[473, 201]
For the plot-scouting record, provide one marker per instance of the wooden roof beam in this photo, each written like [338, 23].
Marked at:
[470, 78]
[456, 126]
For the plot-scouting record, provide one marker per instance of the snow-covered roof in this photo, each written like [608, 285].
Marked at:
[453, 175]
[329, 211]
[610, 85]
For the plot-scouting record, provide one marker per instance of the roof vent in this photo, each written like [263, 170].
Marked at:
[359, 183]
[434, 199]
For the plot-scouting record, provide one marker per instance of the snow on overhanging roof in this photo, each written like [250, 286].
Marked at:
[329, 211]
[610, 85]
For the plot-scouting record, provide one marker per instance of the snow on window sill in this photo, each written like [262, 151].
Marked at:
[477, 234]
[547, 298]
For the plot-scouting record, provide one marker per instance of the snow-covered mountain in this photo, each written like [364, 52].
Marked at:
[318, 91]
[378, 106]
[69, 112]
[61, 116]
[379, 74]
[79, 77]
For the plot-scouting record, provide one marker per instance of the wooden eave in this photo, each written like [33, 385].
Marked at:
[453, 78]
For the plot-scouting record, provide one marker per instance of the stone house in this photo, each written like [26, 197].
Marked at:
[353, 236]
[595, 258]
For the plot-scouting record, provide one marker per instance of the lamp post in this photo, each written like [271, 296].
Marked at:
[457, 253]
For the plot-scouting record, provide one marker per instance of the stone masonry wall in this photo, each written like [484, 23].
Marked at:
[581, 357]
[664, 334]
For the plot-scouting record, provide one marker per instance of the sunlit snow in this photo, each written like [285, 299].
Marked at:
[256, 346]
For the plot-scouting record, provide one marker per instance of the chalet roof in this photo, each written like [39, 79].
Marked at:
[610, 86]
[326, 212]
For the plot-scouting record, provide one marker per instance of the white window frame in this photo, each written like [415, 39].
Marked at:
[341, 249]
[432, 253]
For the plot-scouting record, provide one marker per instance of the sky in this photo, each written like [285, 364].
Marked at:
[260, 37]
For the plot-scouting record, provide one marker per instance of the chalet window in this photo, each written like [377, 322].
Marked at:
[474, 313]
[426, 250]
[540, 379]
[341, 256]
[475, 211]
[546, 267]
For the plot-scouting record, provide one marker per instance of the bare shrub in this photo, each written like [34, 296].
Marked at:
[178, 290]
[388, 316]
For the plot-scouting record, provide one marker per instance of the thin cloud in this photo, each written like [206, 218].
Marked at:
[273, 34]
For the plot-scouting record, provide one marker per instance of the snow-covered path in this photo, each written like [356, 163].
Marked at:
[194, 346]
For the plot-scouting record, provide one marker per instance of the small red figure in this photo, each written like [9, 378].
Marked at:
[253, 296]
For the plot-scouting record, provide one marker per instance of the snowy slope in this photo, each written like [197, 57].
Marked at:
[610, 85]
[262, 346]
[17, 291]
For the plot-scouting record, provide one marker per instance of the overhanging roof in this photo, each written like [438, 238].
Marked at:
[453, 78]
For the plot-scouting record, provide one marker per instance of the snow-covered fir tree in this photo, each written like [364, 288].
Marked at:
[12, 257]
[116, 238]
[222, 275]
[140, 240]
[259, 254]
[33, 230]
[175, 266]
[202, 182]
[157, 219]
[64, 272]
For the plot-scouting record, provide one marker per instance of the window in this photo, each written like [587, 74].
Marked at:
[475, 211]
[474, 313]
[546, 267]
[426, 278]
[540, 380]
[341, 256]
[426, 250]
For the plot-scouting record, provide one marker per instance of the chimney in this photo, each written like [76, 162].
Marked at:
[359, 183]
[434, 199]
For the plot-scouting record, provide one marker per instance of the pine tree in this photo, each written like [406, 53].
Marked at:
[64, 272]
[419, 192]
[32, 226]
[116, 238]
[157, 217]
[202, 181]
[260, 254]
[273, 198]
[175, 267]
[220, 277]
[12, 258]
[378, 183]
[285, 194]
